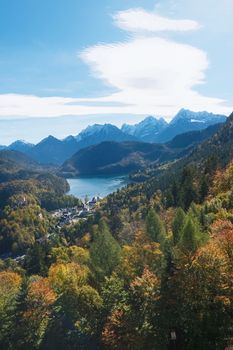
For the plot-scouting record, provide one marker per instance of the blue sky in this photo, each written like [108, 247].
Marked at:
[110, 61]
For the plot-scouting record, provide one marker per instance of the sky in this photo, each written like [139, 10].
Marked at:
[65, 64]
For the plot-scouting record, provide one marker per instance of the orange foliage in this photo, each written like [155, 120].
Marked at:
[222, 231]
[40, 297]
[223, 180]
[147, 285]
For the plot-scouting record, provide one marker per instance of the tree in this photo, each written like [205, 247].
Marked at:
[202, 309]
[175, 193]
[188, 191]
[61, 274]
[204, 188]
[9, 288]
[104, 252]
[76, 313]
[39, 301]
[154, 227]
[178, 225]
[37, 258]
[190, 239]
[134, 324]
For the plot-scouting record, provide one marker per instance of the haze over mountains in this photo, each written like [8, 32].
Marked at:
[54, 151]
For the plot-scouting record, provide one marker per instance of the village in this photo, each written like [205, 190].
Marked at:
[68, 216]
[64, 216]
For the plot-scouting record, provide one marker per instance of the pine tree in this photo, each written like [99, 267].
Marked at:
[178, 225]
[154, 227]
[104, 252]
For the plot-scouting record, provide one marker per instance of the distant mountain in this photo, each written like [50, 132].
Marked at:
[52, 151]
[115, 158]
[17, 157]
[159, 131]
[214, 152]
[70, 141]
[186, 121]
[15, 165]
[21, 146]
[147, 130]
[125, 157]
[191, 138]
[98, 133]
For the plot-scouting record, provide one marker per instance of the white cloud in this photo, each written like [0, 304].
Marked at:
[151, 75]
[138, 20]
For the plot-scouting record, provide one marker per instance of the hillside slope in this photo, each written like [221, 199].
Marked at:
[14, 164]
[113, 157]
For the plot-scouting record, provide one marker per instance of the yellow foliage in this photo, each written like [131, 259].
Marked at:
[60, 275]
[9, 282]
[136, 257]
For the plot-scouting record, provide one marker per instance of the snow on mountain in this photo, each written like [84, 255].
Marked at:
[146, 130]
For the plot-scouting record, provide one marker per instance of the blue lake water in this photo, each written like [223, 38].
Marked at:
[96, 186]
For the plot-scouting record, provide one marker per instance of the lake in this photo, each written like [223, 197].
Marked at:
[96, 186]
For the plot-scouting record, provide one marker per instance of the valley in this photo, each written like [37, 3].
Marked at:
[121, 235]
[116, 175]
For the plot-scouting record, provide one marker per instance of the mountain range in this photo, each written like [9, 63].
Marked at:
[159, 131]
[214, 152]
[120, 158]
[54, 151]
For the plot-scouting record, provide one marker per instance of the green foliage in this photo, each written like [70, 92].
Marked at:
[104, 252]
[154, 226]
[70, 254]
[190, 239]
[38, 259]
[9, 289]
[51, 201]
[178, 225]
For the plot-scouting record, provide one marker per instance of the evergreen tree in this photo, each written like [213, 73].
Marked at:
[36, 261]
[155, 227]
[188, 190]
[168, 200]
[190, 239]
[104, 252]
[178, 225]
[204, 188]
[20, 334]
[175, 193]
